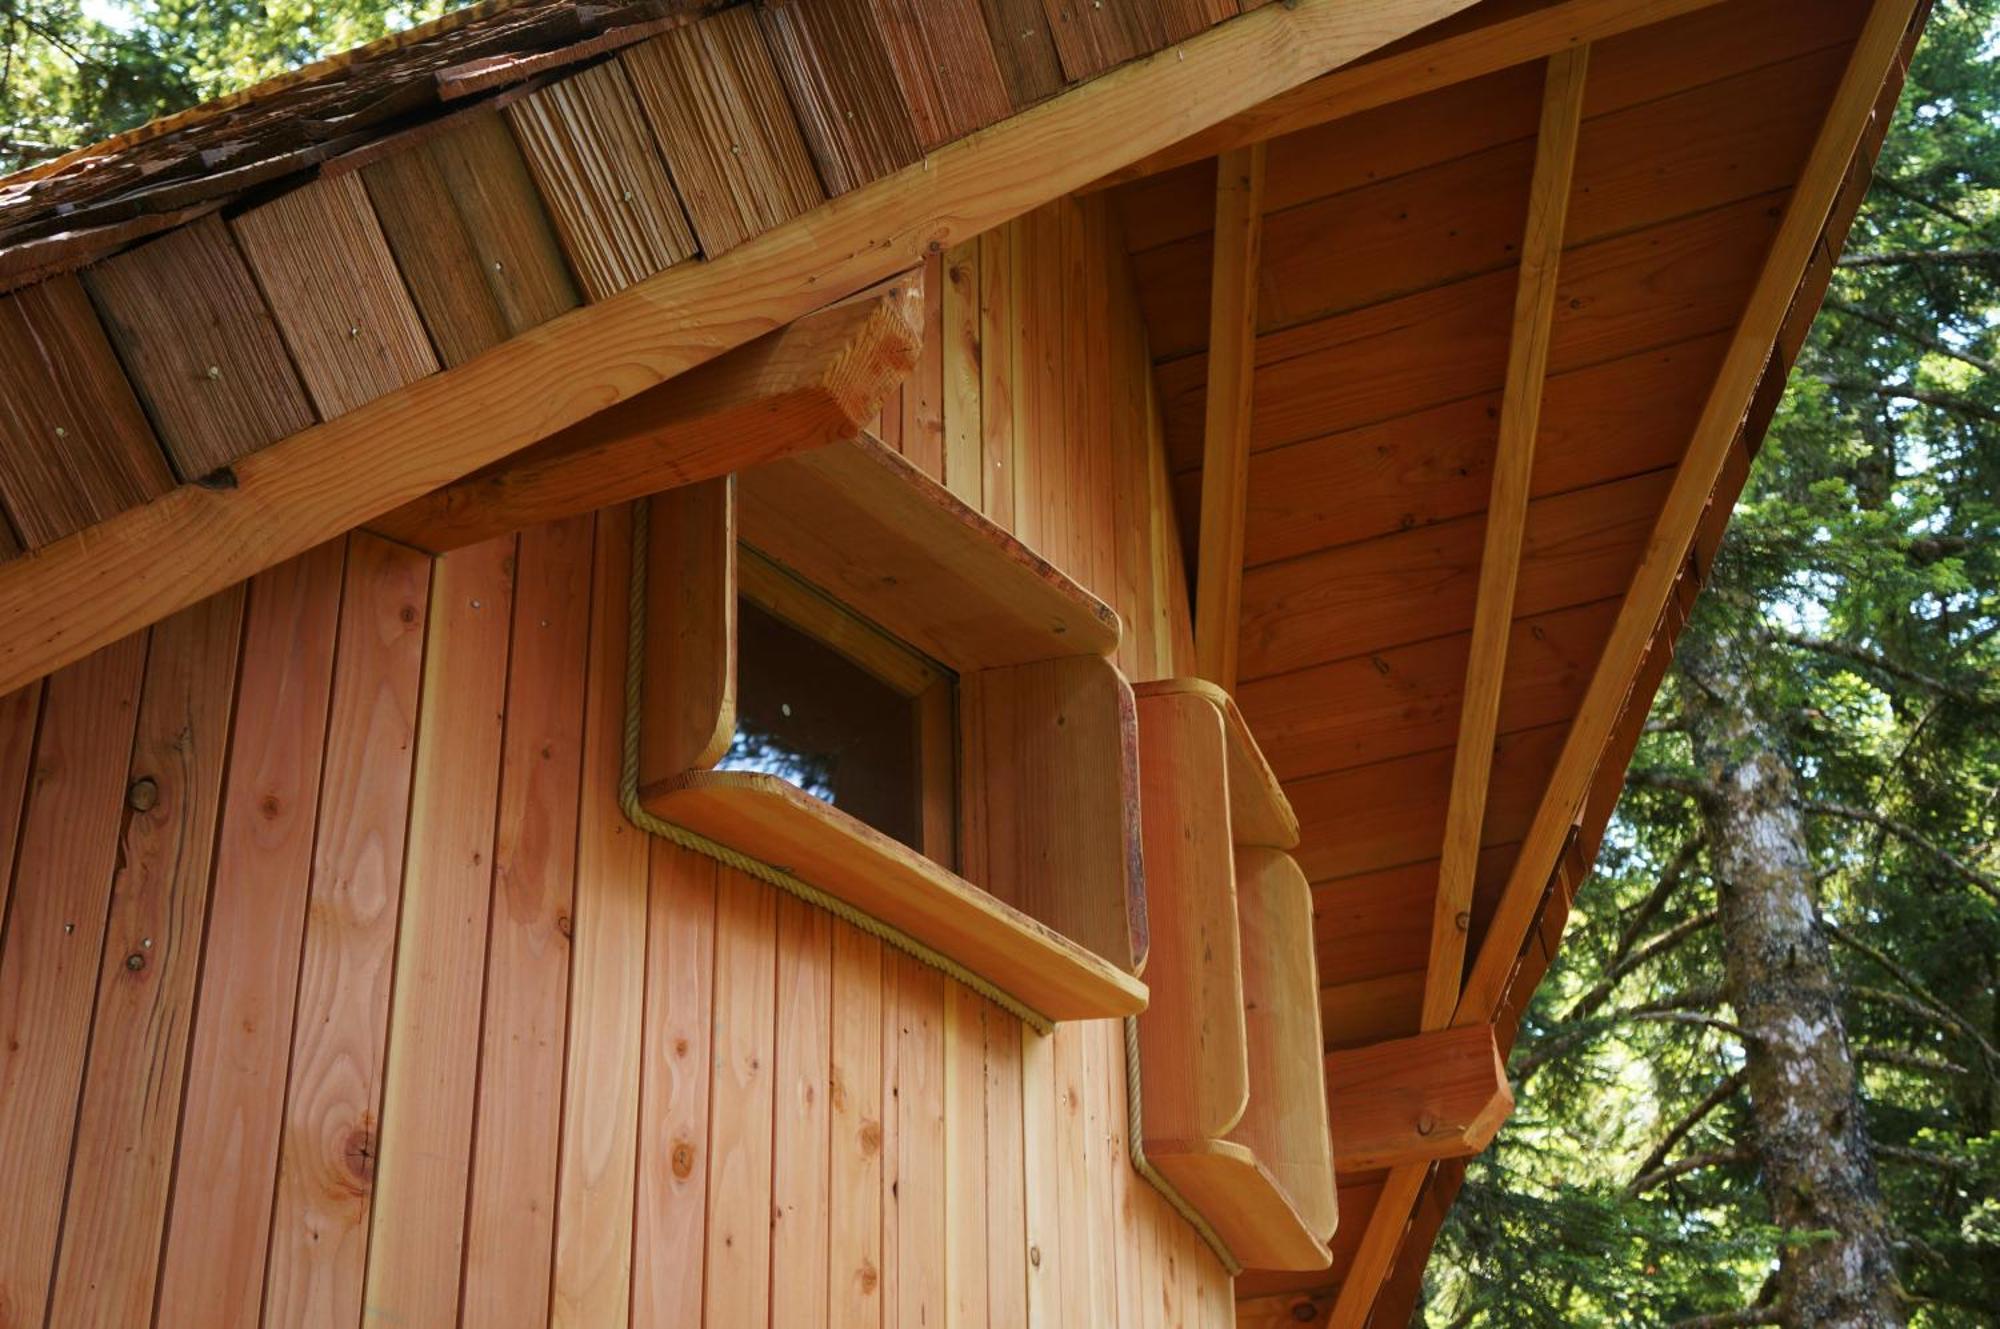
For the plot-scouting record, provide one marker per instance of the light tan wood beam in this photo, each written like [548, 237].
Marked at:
[807, 384]
[1460, 49]
[1225, 456]
[1506, 522]
[91, 588]
[1673, 533]
[1416, 1100]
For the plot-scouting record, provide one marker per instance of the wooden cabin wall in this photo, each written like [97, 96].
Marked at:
[336, 990]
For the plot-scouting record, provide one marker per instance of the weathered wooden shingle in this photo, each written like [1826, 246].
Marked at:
[1093, 35]
[75, 447]
[732, 142]
[200, 346]
[1024, 49]
[320, 256]
[602, 176]
[945, 66]
[837, 69]
[473, 240]
[1190, 18]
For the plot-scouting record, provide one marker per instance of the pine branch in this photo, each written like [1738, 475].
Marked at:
[1904, 1059]
[1873, 661]
[1912, 835]
[1722, 1093]
[1921, 1158]
[1692, 1163]
[1943, 401]
[1883, 258]
[1651, 949]
[1690, 1008]
[1732, 1319]
[1917, 195]
[1914, 337]
[1643, 777]
[1656, 899]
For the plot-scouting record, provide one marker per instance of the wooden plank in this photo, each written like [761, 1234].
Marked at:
[1024, 50]
[1259, 812]
[1188, 18]
[324, 266]
[471, 236]
[688, 709]
[712, 94]
[232, 1116]
[416, 1236]
[1008, 1263]
[1463, 50]
[517, 1113]
[1192, 1033]
[1093, 35]
[606, 187]
[809, 383]
[1439, 1095]
[963, 369]
[129, 1103]
[1225, 472]
[329, 479]
[903, 551]
[1506, 527]
[916, 1195]
[75, 448]
[1804, 218]
[600, 1103]
[328, 1142]
[836, 67]
[67, 850]
[672, 1197]
[997, 376]
[1042, 1129]
[854, 1173]
[963, 1186]
[777, 821]
[1057, 791]
[945, 66]
[922, 435]
[1379, 1242]
[20, 716]
[742, 1102]
[801, 1128]
[200, 346]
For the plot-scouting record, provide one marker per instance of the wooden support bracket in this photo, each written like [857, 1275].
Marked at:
[1416, 1100]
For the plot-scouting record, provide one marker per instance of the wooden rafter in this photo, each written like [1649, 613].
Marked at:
[1493, 618]
[1506, 523]
[1225, 458]
[1461, 50]
[810, 383]
[93, 587]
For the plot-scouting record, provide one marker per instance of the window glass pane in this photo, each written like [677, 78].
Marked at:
[806, 713]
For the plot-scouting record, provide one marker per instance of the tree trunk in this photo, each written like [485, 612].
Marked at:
[1811, 1141]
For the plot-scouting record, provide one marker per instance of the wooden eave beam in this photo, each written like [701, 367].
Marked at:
[91, 588]
[1464, 49]
[810, 383]
[1493, 619]
[1225, 457]
[1416, 1100]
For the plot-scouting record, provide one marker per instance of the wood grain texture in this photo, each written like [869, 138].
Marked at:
[854, 1185]
[1440, 1095]
[333, 287]
[688, 706]
[742, 1102]
[20, 714]
[66, 852]
[837, 69]
[126, 1121]
[801, 1129]
[518, 1113]
[600, 1117]
[944, 65]
[1093, 35]
[200, 346]
[417, 1230]
[75, 448]
[471, 236]
[332, 1121]
[1024, 49]
[601, 175]
[713, 96]
[218, 1232]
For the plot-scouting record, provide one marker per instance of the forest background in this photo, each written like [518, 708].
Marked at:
[1762, 1083]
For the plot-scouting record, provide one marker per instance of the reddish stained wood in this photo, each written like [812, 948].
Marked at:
[944, 64]
[67, 850]
[74, 446]
[1093, 35]
[965, 1186]
[836, 67]
[416, 1232]
[742, 1102]
[917, 1194]
[518, 1116]
[326, 1159]
[801, 1120]
[672, 1197]
[326, 269]
[213, 1270]
[130, 1105]
[20, 715]
[200, 346]
[1008, 1263]
[1023, 49]
[855, 1189]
